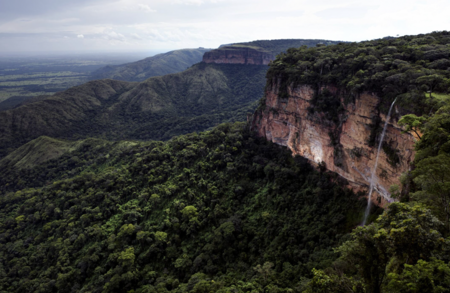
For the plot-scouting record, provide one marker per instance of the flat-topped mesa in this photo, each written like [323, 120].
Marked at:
[238, 55]
[340, 139]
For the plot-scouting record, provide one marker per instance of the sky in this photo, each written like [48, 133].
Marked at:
[163, 25]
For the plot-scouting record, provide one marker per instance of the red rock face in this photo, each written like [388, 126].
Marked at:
[287, 122]
[238, 55]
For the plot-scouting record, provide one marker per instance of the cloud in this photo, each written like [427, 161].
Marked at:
[208, 23]
[347, 12]
[145, 8]
[196, 2]
[114, 36]
[136, 36]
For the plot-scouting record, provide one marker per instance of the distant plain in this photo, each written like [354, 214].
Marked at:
[25, 76]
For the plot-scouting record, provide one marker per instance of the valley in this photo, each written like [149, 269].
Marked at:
[158, 108]
[249, 171]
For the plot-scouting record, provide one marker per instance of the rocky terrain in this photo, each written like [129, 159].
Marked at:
[343, 148]
[238, 55]
[257, 52]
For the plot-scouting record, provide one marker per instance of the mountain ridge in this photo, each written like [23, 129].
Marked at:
[196, 99]
[158, 65]
[126, 110]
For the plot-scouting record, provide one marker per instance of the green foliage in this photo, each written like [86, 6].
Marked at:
[161, 236]
[395, 67]
[324, 283]
[412, 123]
[197, 99]
[195, 214]
[265, 270]
[279, 46]
[403, 251]
[430, 177]
[432, 276]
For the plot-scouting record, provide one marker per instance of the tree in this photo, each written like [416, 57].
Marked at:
[432, 276]
[432, 81]
[189, 212]
[323, 282]
[412, 123]
[432, 175]
[379, 254]
[265, 270]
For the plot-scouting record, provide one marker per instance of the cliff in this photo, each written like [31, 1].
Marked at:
[259, 52]
[345, 140]
[238, 55]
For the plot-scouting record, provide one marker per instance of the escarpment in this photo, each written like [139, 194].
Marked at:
[327, 127]
[238, 55]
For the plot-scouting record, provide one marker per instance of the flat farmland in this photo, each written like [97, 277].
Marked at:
[24, 77]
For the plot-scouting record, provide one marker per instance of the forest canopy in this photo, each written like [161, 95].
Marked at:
[227, 211]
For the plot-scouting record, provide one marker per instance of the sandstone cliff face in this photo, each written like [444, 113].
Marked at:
[238, 55]
[287, 121]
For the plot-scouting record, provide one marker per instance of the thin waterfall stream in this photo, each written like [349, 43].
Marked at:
[372, 177]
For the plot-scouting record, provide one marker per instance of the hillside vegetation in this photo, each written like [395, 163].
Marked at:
[408, 248]
[214, 211]
[179, 60]
[410, 68]
[224, 210]
[159, 108]
[280, 46]
[161, 64]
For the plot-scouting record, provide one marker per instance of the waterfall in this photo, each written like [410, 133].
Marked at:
[374, 170]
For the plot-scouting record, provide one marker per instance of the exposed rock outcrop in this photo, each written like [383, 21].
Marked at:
[344, 145]
[238, 55]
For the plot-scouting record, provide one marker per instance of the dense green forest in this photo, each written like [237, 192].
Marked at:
[280, 46]
[227, 211]
[407, 249]
[202, 212]
[405, 67]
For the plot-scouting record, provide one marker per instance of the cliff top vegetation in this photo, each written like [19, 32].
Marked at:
[409, 67]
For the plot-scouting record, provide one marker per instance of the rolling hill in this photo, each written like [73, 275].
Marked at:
[158, 108]
[161, 64]
[230, 209]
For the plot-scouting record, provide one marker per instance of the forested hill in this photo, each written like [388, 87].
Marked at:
[209, 212]
[203, 96]
[407, 249]
[224, 210]
[158, 108]
[179, 60]
[158, 65]
[412, 68]
[280, 46]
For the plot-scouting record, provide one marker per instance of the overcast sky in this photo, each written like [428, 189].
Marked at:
[157, 25]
